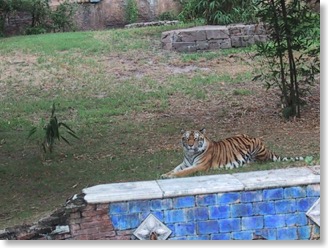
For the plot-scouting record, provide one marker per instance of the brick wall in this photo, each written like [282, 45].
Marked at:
[270, 205]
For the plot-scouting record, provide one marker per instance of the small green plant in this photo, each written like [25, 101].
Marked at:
[167, 16]
[52, 132]
[131, 11]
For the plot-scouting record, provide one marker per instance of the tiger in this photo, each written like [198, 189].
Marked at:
[203, 154]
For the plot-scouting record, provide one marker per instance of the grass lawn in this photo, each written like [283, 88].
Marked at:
[127, 100]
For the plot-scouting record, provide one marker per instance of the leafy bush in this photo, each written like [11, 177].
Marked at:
[62, 17]
[220, 12]
[167, 16]
[131, 11]
[291, 57]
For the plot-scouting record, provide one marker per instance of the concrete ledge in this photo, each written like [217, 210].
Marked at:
[158, 189]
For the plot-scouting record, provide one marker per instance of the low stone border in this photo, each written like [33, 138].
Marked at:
[213, 37]
[149, 24]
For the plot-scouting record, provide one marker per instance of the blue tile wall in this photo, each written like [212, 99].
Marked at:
[273, 214]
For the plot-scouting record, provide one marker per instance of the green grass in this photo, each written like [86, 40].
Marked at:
[115, 90]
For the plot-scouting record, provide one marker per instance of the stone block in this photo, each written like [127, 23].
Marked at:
[264, 208]
[273, 194]
[289, 233]
[241, 210]
[202, 45]
[192, 35]
[237, 30]
[226, 198]
[183, 229]
[217, 33]
[219, 212]
[274, 221]
[201, 213]
[229, 225]
[208, 227]
[184, 202]
[254, 222]
[221, 236]
[198, 237]
[184, 46]
[205, 200]
[251, 196]
[285, 206]
[269, 234]
[260, 38]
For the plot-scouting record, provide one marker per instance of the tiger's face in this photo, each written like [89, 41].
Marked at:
[193, 141]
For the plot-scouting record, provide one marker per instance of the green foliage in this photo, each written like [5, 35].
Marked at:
[291, 57]
[43, 18]
[167, 16]
[131, 11]
[220, 12]
[52, 132]
[62, 17]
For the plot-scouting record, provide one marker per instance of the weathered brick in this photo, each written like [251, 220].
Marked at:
[230, 225]
[253, 222]
[219, 212]
[304, 204]
[289, 233]
[125, 221]
[274, 221]
[205, 200]
[304, 232]
[76, 215]
[241, 210]
[313, 190]
[198, 237]
[226, 198]
[118, 208]
[201, 213]
[242, 235]
[285, 206]
[294, 192]
[89, 213]
[183, 229]
[273, 194]
[264, 208]
[251, 196]
[139, 206]
[207, 227]
[221, 236]
[269, 234]
[296, 219]
[179, 215]
[161, 204]
[184, 202]
[74, 228]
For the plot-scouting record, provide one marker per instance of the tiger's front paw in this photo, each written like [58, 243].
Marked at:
[167, 176]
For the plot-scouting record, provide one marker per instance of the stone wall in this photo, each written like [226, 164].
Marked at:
[213, 37]
[97, 14]
[270, 205]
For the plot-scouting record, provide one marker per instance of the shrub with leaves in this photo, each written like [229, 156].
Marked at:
[52, 132]
[131, 11]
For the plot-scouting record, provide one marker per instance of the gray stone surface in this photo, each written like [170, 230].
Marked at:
[201, 185]
[277, 178]
[122, 192]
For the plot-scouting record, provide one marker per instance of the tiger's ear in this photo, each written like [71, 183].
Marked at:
[203, 130]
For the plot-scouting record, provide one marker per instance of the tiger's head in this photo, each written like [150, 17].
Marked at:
[193, 141]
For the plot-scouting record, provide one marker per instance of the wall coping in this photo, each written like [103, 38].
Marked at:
[156, 189]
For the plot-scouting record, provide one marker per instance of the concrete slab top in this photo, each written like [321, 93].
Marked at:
[157, 189]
